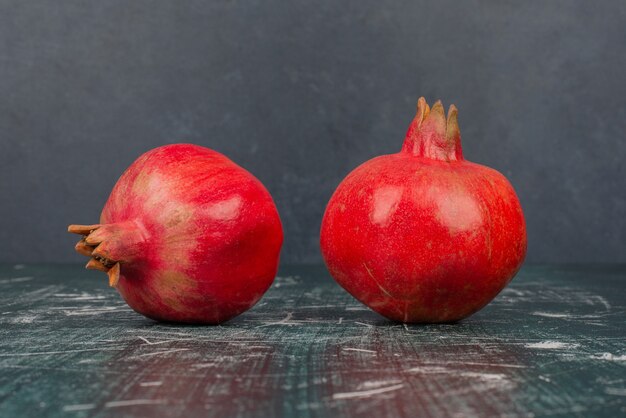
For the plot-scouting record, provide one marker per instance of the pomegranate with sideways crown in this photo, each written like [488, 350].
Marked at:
[186, 236]
[424, 235]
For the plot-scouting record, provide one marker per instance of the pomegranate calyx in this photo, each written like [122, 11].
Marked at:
[107, 246]
[114, 275]
[453, 132]
[432, 135]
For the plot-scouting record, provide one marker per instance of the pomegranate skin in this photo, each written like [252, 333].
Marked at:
[197, 237]
[424, 236]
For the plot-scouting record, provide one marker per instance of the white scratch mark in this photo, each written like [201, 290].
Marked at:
[166, 332]
[356, 308]
[131, 402]
[485, 376]
[95, 311]
[16, 280]
[24, 319]
[163, 340]
[551, 315]
[444, 370]
[615, 391]
[364, 324]
[406, 327]
[429, 369]
[603, 301]
[78, 407]
[284, 321]
[156, 383]
[157, 342]
[161, 352]
[285, 281]
[566, 316]
[204, 365]
[514, 291]
[43, 353]
[609, 356]
[361, 350]
[551, 345]
[606, 381]
[372, 384]
[366, 393]
[340, 320]
[79, 296]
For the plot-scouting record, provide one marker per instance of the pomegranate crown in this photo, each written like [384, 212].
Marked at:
[432, 135]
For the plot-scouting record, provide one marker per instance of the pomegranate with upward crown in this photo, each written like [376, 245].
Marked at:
[424, 235]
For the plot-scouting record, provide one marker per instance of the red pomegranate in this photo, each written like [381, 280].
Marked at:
[186, 236]
[423, 235]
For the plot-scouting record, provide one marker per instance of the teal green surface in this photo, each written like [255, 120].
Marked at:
[551, 344]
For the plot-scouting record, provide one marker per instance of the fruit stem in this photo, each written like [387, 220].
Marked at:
[432, 135]
[109, 246]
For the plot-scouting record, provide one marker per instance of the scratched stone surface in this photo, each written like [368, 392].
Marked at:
[552, 344]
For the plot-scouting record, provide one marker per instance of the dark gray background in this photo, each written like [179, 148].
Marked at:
[300, 93]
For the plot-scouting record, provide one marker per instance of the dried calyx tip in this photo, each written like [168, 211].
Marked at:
[88, 246]
[436, 115]
[114, 275]
[432, 134]
[438, 106]
[82, 229]
[452, 125]
[422, 109]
